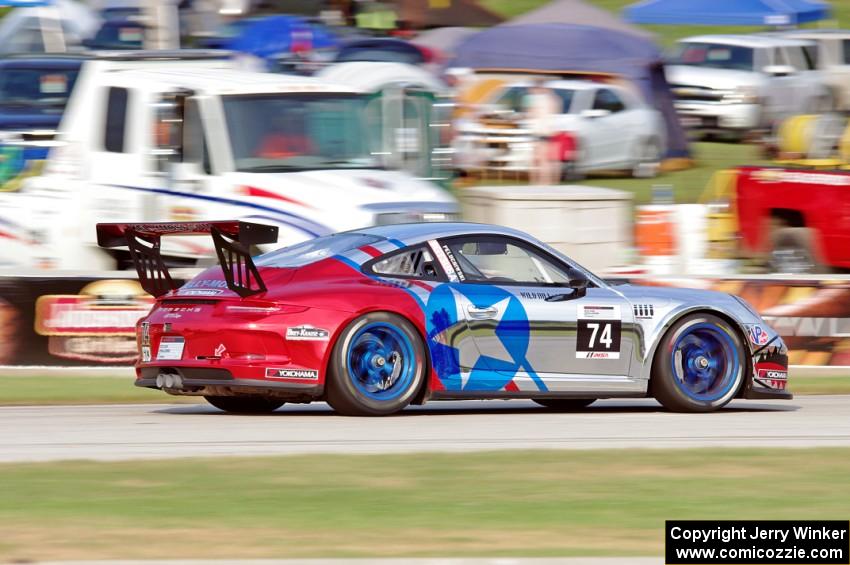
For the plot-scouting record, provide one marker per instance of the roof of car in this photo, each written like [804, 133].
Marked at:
[753, 41]
[48, 61]
[227, 81]
[813, 32]
[411, 234]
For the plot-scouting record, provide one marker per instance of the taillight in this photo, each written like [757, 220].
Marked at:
[262, 308]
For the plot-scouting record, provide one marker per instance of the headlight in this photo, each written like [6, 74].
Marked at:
[741, 95]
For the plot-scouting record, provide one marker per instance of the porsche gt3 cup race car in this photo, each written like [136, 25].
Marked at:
[375, 319]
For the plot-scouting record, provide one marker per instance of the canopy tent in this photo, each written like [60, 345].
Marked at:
[270, 36]
[577, 12]
[443, 40]
[563, 49]
[727, 12]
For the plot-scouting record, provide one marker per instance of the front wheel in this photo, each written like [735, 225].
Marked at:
[377, 366]
[245, 404]
[565, 404]
[699, 365]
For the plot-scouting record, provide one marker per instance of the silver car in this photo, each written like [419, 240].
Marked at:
[737, 83]
[372, 320]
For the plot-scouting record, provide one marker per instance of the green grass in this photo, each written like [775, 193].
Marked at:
[535, 503]
[690, 183]
[78, 390]
[666, 34]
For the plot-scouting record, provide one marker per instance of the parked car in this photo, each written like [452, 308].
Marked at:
[34, 90]
[794, 219]
[599, 127]
[738, 83]
[118, 34]
[375, 319]
[832, 56]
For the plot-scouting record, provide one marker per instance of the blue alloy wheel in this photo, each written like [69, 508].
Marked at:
[705, 362]
[380, 361]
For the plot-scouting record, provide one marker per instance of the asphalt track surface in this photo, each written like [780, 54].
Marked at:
[154, 431]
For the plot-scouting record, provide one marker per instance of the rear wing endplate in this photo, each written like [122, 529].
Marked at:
[231, 239]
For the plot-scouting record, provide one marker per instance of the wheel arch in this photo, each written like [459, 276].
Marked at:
[423, 393]
[649, 359]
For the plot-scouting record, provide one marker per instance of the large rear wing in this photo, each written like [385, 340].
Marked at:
[232, 240]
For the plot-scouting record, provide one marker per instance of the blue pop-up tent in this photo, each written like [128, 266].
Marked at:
[566, 49]
[727, 12]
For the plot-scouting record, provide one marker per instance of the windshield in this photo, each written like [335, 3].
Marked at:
[44, 89]
[291, 132]
[315, 250]
[715, 55]
[515, 99]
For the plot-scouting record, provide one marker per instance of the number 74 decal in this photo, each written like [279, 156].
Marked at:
[599, 329]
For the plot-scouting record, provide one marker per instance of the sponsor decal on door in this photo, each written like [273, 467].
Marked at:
[599, 331]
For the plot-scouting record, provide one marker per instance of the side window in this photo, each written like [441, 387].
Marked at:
[116, 120]
[811, 53]
[499, 260]
[608, 100]
[417, 262]
[779, 57]
[797, 58]
[194, 138]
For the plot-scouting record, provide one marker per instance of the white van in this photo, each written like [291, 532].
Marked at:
[191, 142]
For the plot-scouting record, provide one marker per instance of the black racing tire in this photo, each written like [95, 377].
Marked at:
[245, 404]
[667, 384]
[378, 345]
[565, 404]
[793, 251]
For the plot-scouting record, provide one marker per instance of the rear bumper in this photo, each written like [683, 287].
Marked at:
[221, 382]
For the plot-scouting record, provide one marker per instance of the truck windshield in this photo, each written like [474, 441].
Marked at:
[715, 55]
[291, 132]
[43, 90]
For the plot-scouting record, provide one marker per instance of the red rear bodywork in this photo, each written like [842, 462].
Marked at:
[280, 339]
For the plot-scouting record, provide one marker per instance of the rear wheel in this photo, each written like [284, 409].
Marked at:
[565, 404]
[699, 365]
[377, 366]
[245, 404]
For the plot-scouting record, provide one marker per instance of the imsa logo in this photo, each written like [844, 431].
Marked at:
[309, 374]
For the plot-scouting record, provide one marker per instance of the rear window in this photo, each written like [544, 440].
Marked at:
[315, 250]
[846, 44]
[715, 55]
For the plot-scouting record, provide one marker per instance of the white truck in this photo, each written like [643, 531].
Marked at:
[191, 141]
[738, 83]
[832, 57]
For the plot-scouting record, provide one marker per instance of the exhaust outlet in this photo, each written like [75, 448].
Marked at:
[160, 380]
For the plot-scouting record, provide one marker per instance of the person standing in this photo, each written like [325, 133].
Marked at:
[541, 107]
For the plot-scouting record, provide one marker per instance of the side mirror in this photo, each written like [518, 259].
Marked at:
[593, 114]
[578, 282]
[779, 70]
